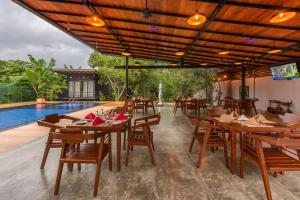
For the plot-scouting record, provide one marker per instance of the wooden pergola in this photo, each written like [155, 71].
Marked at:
[241, 27]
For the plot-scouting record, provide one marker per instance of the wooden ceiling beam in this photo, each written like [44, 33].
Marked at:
[172, 15]
[215, 12]
[90, 6]
[178, 43]
[172, 35]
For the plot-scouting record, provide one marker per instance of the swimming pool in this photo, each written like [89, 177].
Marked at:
[16, 116]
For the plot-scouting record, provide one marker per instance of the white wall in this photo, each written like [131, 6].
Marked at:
[266, 89]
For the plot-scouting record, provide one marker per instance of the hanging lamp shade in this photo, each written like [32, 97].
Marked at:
[282, 16]
[126, 53]
[94, 20]
[196, 19]
[223, 52]
[179, 53]
[274, 51]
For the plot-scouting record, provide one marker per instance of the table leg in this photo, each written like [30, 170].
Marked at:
[146, 107]
[119, 150]
[233, 152]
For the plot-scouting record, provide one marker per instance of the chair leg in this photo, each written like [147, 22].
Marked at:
[151, 154]
[124, 141]
[191, 145]
[46, 152]
[225, 150]
[263, 169]
[97, 179]
[151, 139]
[58, 177]
[203, 148]
[110, 156]
[127, 154]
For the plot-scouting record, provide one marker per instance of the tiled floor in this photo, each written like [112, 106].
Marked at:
[174, 176]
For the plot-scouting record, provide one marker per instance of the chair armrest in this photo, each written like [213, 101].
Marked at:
[49, 125]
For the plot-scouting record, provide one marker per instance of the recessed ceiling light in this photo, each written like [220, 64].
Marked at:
[274, 51]
[196, 19]
[223, 52]
[94, 20]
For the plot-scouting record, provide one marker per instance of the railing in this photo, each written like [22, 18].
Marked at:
[81, 95]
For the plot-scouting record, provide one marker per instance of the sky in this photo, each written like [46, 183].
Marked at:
[22, 32]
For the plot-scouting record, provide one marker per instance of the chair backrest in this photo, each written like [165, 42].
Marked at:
[70, 135]
[51, 121]
[216, 111]
[150, 120]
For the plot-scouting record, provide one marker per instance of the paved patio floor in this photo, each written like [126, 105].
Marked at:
[174, 177]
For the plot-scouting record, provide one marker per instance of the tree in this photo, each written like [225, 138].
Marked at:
[114, 78]
[44, 82]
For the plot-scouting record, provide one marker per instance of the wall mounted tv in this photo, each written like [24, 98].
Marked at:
[285, 72]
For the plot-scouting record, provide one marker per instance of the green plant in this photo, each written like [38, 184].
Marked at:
[44, 82]
[101, 96]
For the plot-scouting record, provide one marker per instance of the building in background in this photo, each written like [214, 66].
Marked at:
[82, 84]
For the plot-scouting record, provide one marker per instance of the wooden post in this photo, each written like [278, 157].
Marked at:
[126, 80]
[254, 83]
[243, 88]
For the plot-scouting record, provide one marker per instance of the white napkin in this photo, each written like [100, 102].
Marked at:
[243, 118]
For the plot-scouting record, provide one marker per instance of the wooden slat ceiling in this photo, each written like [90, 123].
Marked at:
[229, 25]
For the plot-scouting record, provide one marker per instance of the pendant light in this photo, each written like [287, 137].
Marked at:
[237, 63]
[223, 52]
[274, 50]
[94, 20]
[196, 19]
[126, 53]
[179, 53]
[282, 15]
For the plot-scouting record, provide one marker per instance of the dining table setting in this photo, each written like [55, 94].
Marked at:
[102, 121]
[237, 124]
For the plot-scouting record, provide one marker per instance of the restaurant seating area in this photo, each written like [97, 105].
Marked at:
[220, 146]
[174, 176]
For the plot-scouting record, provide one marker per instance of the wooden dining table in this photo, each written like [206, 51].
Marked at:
[235, 128]
[113, 128]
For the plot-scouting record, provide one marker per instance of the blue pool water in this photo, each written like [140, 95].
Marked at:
[13, 117]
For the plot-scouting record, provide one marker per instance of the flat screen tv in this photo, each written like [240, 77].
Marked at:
[285, 72]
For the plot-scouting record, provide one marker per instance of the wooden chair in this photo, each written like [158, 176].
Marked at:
[84, 153]
[139, 135]
[151, 121]
[51, 121]
[149, 104]
[217, 111]
[191, 105]
[179, 103]
[208, 135]
[128, 105]
[202, 105]
[276, 158]
[139, 105]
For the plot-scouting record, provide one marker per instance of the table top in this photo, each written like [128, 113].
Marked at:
[278, 122]
[108, 125]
